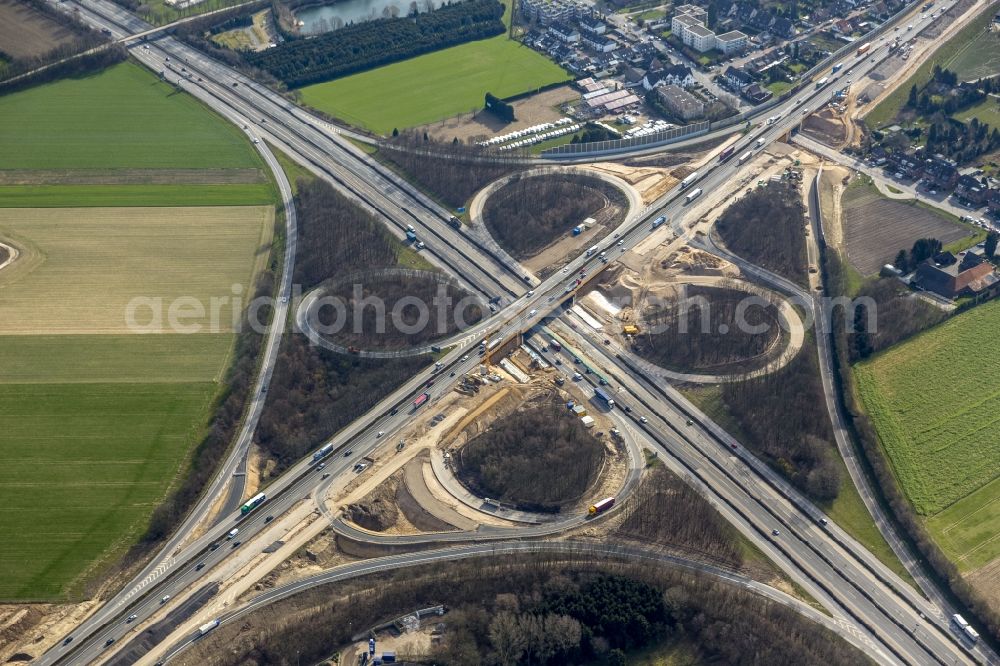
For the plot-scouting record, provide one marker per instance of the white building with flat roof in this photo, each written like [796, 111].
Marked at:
[731, 42]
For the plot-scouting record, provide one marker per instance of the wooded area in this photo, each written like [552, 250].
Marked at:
[369, 44]
[314, 392]
[514, 459]
[452, 172]
[703, 347]
[529, 212]
[898, 314]
[536, 609]
[666, 511]
[336, 237]
[767, 228]
[783, 415]
[364, 332]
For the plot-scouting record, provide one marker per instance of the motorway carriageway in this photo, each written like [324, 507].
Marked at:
[631, 236]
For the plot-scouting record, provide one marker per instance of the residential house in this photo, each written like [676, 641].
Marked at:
[598, 43]
[634, 76]
[993, 201]
[593, 25]
[782, 27]
[677, 75]
[843, 26]
[546, 12]
[946, 276]
[680, 103]
[564, 32]
[737, 78]
[972, 190]
[940, 173]
[755, 94]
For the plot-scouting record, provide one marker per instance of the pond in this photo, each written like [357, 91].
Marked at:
[324, 18]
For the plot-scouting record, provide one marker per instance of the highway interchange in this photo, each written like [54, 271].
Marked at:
[899, 624]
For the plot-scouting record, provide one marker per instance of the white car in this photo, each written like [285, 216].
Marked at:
[465, 358]
[533, 313]
[643, 419]
[379, 433]
[621, 242]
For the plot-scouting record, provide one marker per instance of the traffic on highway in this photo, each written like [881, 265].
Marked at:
[897, 624]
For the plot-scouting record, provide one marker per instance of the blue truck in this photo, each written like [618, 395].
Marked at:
[603, 395]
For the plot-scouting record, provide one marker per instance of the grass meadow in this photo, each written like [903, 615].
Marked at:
[121, 118]
[435, 85]
[935, 402]
[91, 447]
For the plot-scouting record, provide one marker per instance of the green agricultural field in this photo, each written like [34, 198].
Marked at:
[80, 267]
[73, 196]
[434, 86]
[92, 439]
[936, 405]
[124, 359]
[121, 118]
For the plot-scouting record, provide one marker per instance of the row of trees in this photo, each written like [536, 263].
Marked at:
[767, 228]
[536, 609]
[513, 460]
[529, 212]
[922, 249]
[451, 171]
[367, 45]
[700, 331]
[913, 527]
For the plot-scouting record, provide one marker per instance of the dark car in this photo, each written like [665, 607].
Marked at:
[109, 642]
[68, 640]
[393, 411]
[236, 544]
[214, 546]
[348, 452]
[269, 519]
[201, 565]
